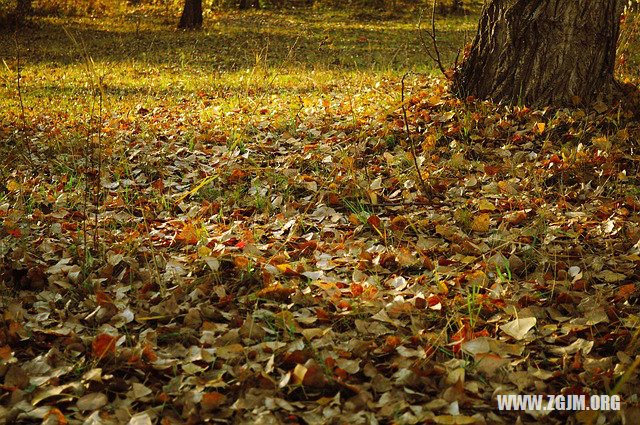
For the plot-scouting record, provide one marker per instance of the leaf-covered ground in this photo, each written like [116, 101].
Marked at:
[192, 234]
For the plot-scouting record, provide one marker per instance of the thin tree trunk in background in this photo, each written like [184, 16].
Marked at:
[23, 8]
[546, 52]
[191, 14]
[244, 4]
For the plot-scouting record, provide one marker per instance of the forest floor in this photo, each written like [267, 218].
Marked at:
[228, 226]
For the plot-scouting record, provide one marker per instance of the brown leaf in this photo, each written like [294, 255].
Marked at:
[92, 401]
[399, 223]
[374, 221]
[16, 377]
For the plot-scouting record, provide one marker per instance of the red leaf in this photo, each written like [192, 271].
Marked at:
[58, 414]
[148, 353]
[5, 352]
[392, 341]
[211, 401]
[103, 299]
[491, 170]
[374, 221]
[236, 175]
[464, 334]
[626, 290]
[356, 289]
[104, 344]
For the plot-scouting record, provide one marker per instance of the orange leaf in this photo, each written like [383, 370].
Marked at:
[491, 169]
[189, 235]
[211, 401]
[275, 292]
[54, 411]
[148, 353]
[374, 221]
[464, 334]
[236, 175]
[241, 262]
[104, 344]
[519, 218]
[5, 352]
[158, 185]
[15, 329]
[626, 290]
[392, 341]
[287, 270]
[356, 289]
[344, 305]
[323, 315]
[103, 299]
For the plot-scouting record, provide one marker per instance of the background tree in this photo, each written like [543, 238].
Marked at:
[23, 8]
[547, 52]
[191, 14]
[245, 4]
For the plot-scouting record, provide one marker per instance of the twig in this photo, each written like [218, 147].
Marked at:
[153, 253]
[435, 56]
[23, 117]
[423, 185]
[398, 204]
[98, 176]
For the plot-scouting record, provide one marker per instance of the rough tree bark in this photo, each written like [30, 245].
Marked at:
[191, 14]
[544, 52]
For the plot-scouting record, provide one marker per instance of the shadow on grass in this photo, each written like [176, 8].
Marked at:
[236, 41]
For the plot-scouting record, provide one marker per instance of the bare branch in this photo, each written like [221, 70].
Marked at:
[435, 56]
[423, 185]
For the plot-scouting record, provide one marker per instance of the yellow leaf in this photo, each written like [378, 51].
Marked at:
[454, 420]
[204, 251]
[481, 223]
[540, 127]
[429, 143]
[435, 100]
[484, 205]
[298, 373]
[602, 143]
[13, 185]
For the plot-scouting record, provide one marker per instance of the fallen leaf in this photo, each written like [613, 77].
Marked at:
[518, 328]
[92, 401]
[481, 223]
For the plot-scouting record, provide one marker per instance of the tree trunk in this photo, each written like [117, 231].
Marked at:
[544, 52]
[23, 8]
[244, 4]
[191, 14]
